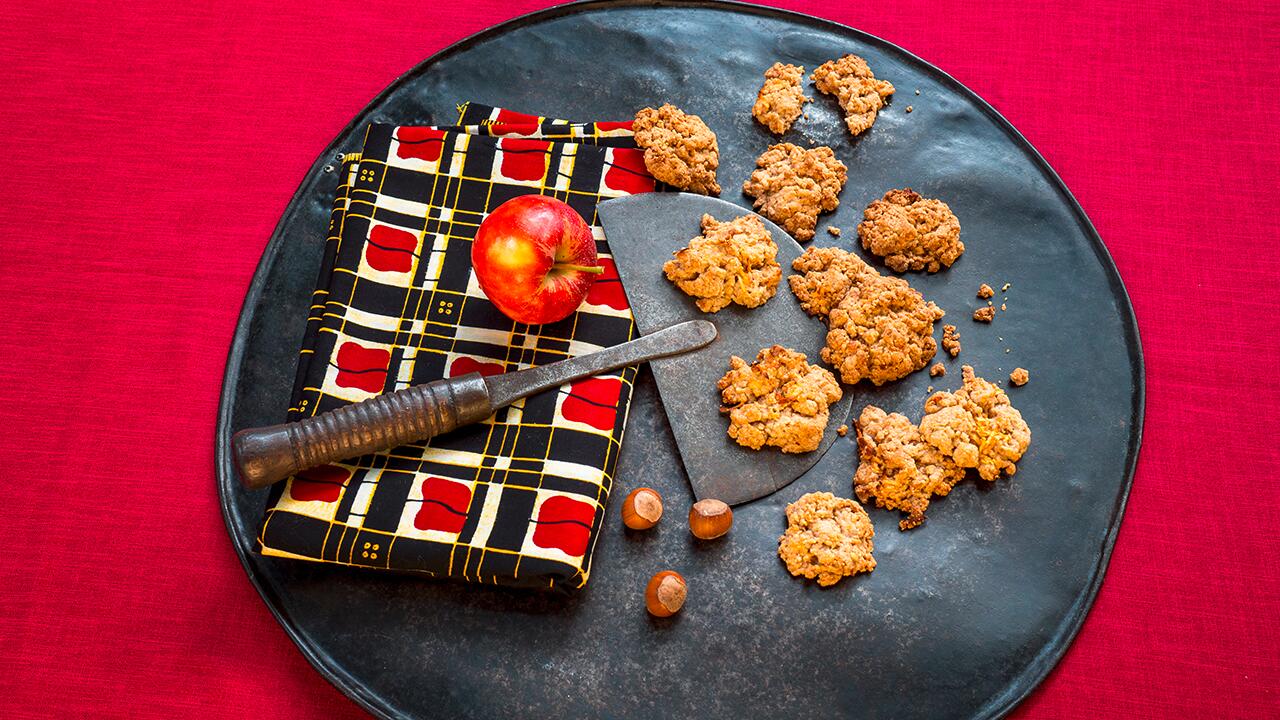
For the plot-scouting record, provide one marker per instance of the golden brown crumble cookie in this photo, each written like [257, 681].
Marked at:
[881, 330]
[985, 291]
[856, 88]
[897, 468]
[937, 370]
[679, 149]
[951, 340]
[779, 400]
[911, 232]
[985, 314]
[828, 274]
[792, 185]
[976, 426]
[827, 538]
[1019, 376]
[781, 99]
[734, 261]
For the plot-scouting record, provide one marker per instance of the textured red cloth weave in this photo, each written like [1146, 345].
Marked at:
[131, 229]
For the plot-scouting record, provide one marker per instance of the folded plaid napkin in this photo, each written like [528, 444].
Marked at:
[517, 499]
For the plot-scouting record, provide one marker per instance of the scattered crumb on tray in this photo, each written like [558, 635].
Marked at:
[842, 430]
[986, 314]
[937, 370]
[951, 340]
[835, 231]
[985, 291]
[910, 108]
[1006, 287]
[1019, 376]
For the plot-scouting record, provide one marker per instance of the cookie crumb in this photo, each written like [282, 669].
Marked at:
[909, 108]
[929, 389]
[1019, 376]
[951, 340]
[842, 430]
[937, 370]
[1003, 307]
[835, 231]
[1006, 287]
[917, 92]
[985, 291]
[986, 314]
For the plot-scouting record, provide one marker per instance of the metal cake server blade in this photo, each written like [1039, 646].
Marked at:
[643, 231]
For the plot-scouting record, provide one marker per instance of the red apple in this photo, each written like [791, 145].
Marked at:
[535, 259]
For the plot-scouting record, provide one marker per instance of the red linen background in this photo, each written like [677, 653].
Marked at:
[132, 219]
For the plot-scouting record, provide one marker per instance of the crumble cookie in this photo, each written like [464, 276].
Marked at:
[734, 261]
[679, 149]
[986, 314]
[911, 232]
[791, 186]
[897, 468]
[856, 88]
[781, 99]
[951, 340]
[827, 538]
[985, 291]
[779, 400]
[828, 273]
[881, 330]
[1019, 376]
[976, 426]
[937, 370]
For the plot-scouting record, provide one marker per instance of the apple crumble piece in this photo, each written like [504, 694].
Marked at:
[731, 262]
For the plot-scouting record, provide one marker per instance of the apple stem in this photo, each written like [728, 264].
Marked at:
[593, 269]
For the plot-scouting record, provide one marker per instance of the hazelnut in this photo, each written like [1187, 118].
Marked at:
[665, 594]
[642, 509]
[709, 519]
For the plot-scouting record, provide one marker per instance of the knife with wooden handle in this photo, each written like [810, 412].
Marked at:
[269, 454]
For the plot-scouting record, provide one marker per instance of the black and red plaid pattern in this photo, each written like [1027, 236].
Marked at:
[519, 498]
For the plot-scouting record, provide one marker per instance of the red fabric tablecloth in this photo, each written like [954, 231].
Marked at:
[135, 213]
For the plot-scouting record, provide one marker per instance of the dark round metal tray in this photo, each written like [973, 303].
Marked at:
[961, 618]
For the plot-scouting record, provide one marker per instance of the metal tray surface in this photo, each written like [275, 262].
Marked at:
[962, 617]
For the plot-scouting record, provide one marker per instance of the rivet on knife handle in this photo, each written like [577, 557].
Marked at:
[269, 454]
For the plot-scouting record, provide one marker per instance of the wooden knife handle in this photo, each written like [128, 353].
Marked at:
[269, 454]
